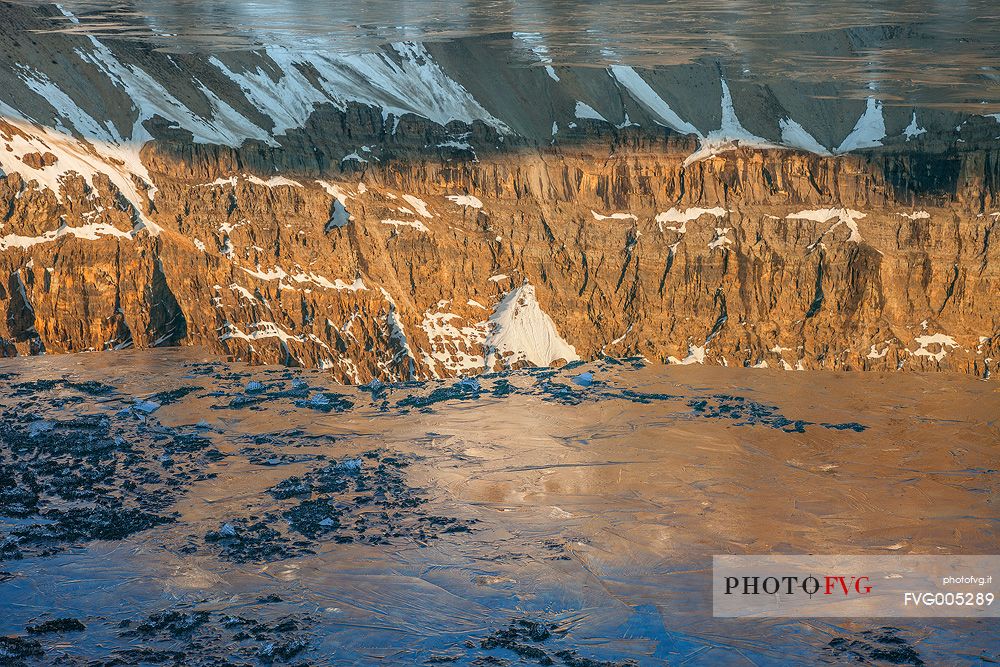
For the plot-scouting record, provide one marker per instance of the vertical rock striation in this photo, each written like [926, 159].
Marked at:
[389, 216]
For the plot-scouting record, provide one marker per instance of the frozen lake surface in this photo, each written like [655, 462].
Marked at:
[184, 510]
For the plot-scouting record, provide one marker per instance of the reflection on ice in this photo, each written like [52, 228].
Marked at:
[566, 515]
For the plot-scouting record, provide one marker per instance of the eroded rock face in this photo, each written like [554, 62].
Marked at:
[356, 234]
[750, 258]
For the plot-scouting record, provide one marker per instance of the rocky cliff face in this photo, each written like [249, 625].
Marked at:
[426, 225]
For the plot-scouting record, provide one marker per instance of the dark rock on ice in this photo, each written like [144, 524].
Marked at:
[56, 625]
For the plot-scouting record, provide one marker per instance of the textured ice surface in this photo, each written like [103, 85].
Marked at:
[565, 514]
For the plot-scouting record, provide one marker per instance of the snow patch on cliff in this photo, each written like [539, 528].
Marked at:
[613, 216]
[465, 200]
[730, 135]
[796, 136]
[335, 191]
[913, 130]
[533, 40]
[416, 224]
[402, 79]
[243, 292]
[644, 93]
[90, 232]
[520, 332]
[695, 355]
[873, 352]
[419, 205]
[264, 329]
[720, 240]
[686, 216]
[586, 112]
[278, 273]
[868, 132]
[845, 216]
[397, 335]
[451, 345]
[943, 343]
[272, 182]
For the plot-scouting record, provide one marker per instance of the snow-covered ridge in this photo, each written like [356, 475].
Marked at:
[397, 334]
[61, 154]
[403, 79]
[94, 110]
[400, 80]
[521, 332]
